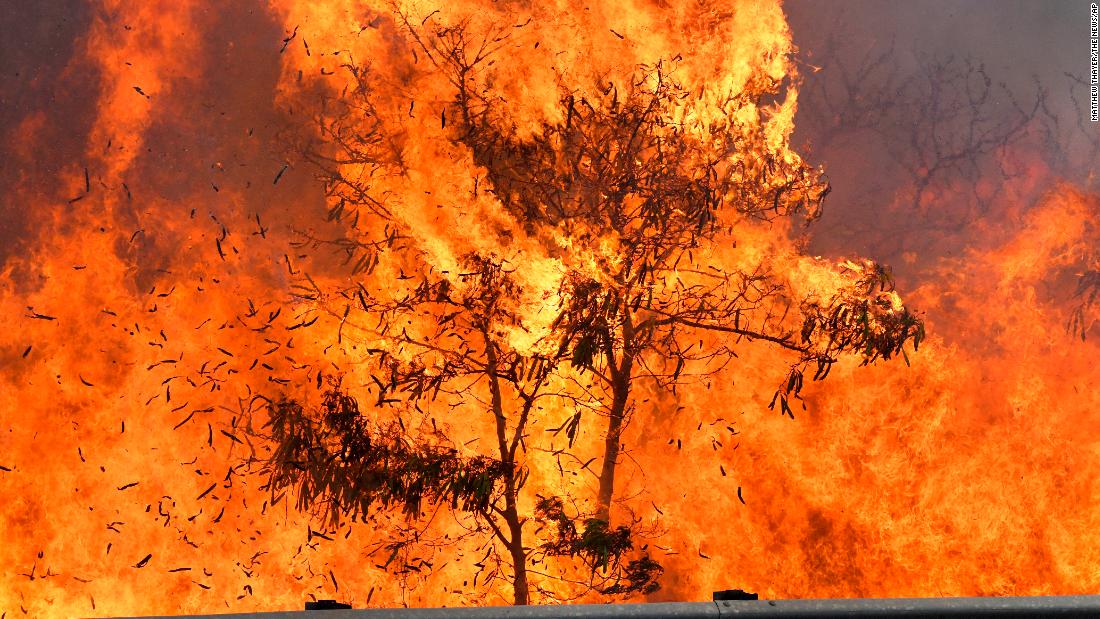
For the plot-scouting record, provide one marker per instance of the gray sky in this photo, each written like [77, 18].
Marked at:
[1028, 46]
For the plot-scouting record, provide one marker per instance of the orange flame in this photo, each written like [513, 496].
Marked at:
[146, 300]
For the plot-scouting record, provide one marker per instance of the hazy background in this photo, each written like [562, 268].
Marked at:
[881, 78]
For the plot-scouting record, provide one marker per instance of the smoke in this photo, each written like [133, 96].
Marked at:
[882, 77]
[38, 104]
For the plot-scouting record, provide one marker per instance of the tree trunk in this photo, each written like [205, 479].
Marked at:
[519, 557]
[520, 587]
[613, 440]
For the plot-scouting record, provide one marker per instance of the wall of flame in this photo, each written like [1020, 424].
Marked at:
[148, 213]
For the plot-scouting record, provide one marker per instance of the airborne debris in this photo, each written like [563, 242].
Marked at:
[231, 437]
[280, 174]
[288, 39]
[207, 491]
[185, 420]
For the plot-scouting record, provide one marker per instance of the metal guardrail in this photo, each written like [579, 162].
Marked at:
[917, 608]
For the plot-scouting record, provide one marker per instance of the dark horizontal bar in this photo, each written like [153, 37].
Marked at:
[669, 610]
[916, 608]
[919, 608]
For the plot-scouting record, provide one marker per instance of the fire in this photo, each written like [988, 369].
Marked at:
[196, 248]
[967, 474]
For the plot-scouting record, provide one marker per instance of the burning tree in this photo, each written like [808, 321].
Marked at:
[612, 261]
[342, 463]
